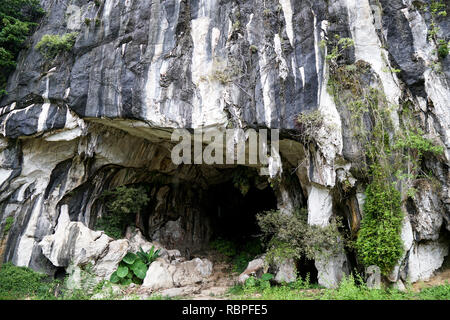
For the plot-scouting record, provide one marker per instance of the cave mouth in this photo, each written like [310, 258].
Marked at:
[306, 269]
[233, 212]
[194, 212]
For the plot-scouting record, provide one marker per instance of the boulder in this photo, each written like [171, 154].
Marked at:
[192, 272]
[137, 241]
[74, 243]
[109, 263]
[373, 274]
[399, 286]
[159, 276]
[286, 271]
[424, 259]
[331, 269]
[256, 268]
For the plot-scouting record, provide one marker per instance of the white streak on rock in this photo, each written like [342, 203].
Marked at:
[319, 207]
[287, 12]
[283, 68]
[45, 108]
[368, 48]
[27, 241]
[4, 175]
[207, 104]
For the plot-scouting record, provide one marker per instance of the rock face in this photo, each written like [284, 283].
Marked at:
[254, 268]
[101, 115]
[373, 274]
[164, 275]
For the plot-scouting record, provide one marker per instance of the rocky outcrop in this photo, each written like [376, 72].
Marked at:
[101, 116]
[164, 275]
[255, 268]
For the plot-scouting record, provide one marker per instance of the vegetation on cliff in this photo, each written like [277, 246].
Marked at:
[17, 20]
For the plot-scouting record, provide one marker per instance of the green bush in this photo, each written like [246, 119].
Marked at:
[414, 141]
[133, 267]
[288, 236]
[379, 241]
[18, 283]
[122, 205]
[443, 49]
[51, 45]
[17, 20]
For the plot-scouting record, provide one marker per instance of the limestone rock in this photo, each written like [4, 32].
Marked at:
[193, 271]
[101, 115]
[74, 243]
[426, 213]
[254, 268]
[331, 269]
[373, 274]
[105, 266]
[424, 259]
[159, 276]
[286, 271]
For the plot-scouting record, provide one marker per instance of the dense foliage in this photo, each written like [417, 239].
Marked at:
[289, 236]
[379, 242]
[51, 45]
[17, 20]
[133, 267]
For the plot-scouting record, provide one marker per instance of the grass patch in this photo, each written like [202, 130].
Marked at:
[350, 288]
[20, 283]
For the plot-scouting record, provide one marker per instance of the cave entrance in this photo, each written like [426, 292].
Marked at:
[307, 269]
[196, 217]
[233, 213]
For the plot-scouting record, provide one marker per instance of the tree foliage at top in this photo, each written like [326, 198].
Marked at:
[17, 19]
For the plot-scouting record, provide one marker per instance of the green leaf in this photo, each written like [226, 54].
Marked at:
[114, 277]
[129, 258]
[142, 256]
[140, 269]
[126, 281]
[122, 271]
[267, 277]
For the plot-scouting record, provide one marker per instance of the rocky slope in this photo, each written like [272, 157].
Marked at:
[101, 116]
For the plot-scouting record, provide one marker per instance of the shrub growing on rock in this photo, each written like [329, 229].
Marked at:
[379, 242]
[122, 204]
[288, 236]
[52, 45]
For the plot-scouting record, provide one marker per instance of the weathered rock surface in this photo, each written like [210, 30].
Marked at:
[159, 276]
[373, 274]
[192, 272]
[164, 275]
[286, 272]
[424, 259]
[256, 268]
